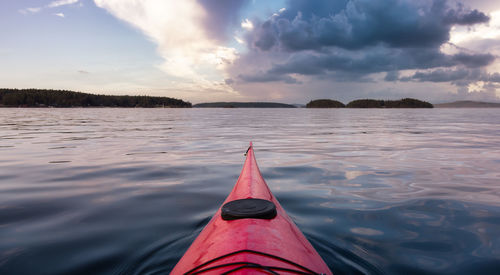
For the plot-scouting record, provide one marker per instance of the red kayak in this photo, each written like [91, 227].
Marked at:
[251, 234]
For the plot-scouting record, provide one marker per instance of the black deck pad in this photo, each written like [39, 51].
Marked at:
[248, 209]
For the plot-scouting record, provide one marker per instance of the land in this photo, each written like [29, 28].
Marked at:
[370, 103]
[325, 103]
[402, 103]
[468, 104]
[243, 105]
[65, 99]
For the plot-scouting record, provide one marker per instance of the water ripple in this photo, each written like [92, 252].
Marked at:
[127, 190]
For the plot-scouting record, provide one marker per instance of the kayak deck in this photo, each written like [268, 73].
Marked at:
[251, 245]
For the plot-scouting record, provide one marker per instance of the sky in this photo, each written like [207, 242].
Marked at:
[290, 51]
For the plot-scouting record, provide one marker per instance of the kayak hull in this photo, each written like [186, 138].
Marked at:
[273, 242]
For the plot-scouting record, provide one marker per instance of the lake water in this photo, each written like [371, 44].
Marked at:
[126, 191]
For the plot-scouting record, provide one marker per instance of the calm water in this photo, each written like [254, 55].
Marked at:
[125, 191]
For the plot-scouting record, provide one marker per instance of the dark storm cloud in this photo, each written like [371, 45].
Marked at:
[265, 36]
[359, 37]
[320, 8]
[441, 75]
[222, 15]
[341, 76]
[464, 17]
[268, 77]
[495, 77]
[459, 77]
[474, 60]
[391, 76]
[313, 25]
[382, 60]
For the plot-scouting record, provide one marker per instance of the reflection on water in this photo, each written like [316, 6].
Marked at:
[127, 190]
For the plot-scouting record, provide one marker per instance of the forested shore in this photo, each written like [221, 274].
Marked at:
[370, 103]
[65, 99]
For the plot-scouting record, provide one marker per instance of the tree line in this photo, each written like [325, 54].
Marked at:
[64, 98]
[243, 105]
[370, 103]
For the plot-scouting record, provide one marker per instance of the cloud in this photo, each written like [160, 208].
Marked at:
[314, 25]
[374, 61]
[51, 5]
[267, 77]
[59, 3]
[177, 28]
[264, 37]
[354, 39]
[461, 16]
[221, 17]
[247, 24]
[192, 38]
[474, 60]
[391, 76]
[364, 45]
[441, 75]
[30, 10]
[460, 76]
[59, 14]
[490, 32]
[239, 40]
[494, 77]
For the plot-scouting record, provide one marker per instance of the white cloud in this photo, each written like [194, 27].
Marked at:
[491, 30]
[30, 10]
[51, 5]
[247, 24]
[59, 14]
[484, 38]
[280, 11]
[176, 27]
[59, 3]
[239, 40]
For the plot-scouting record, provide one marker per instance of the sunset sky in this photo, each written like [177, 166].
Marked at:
[228, 50]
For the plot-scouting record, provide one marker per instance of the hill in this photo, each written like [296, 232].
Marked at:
[402, 103]
[325, 103]
[468, 104]
[243, 105]
[63, 98]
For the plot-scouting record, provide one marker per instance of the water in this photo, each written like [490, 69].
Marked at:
[125, 191]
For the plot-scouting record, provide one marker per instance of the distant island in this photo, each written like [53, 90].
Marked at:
[468, 104]
[325, 103]
[63, 98]
[402, 103]
[370, 103]
[243, 105]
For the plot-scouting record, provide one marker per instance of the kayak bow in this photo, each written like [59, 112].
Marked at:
[251, 233]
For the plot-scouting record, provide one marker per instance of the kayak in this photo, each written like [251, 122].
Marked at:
[251, 234]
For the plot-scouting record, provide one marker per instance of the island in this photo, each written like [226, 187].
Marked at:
[402, 103]
[325, 103]
[65, 99]
[243, 105]
[370, 103]
[468, 104]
